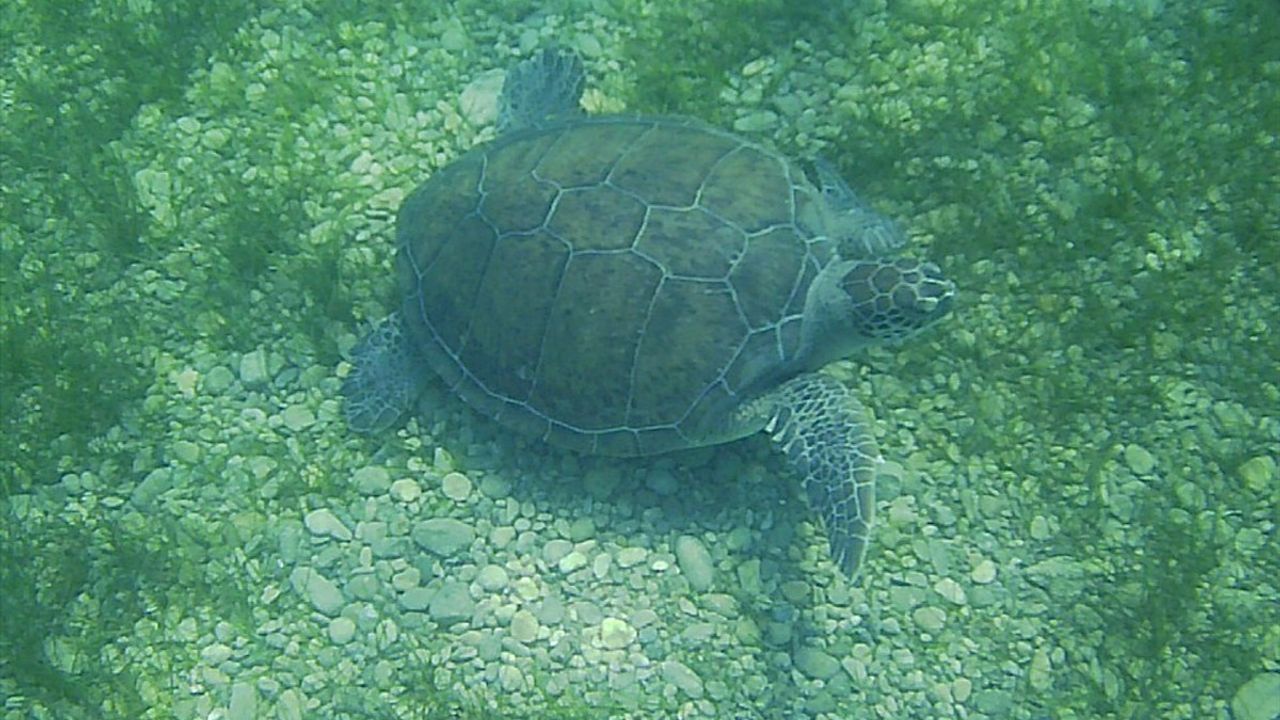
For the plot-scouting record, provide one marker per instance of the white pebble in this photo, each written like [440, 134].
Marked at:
[984, 573]
[342, 630]
[405, 490]
[324, 523]
[456, 486]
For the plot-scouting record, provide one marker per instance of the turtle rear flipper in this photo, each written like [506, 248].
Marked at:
[385, 381]
[545, 87]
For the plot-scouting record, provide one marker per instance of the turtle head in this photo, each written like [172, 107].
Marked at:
[853, 303]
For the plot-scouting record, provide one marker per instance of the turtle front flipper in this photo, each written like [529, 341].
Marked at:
[385, 381]
[825, 433]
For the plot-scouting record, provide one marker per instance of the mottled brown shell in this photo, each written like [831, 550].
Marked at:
[611, 285]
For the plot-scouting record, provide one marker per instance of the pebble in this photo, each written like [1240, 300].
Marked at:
[416, 599]
[502, 536]
[342, 630]
[555, 550]
[186, 451]
[695, 562]
[405, 490]
[152, 486]
[1139, 460]
[661, 482]
[456, 486]
[215, 654]
[1258, 699]
[984, 573]
[1258, 472]
[253, 369]
[363, 587]
[816, 663]
[406, 579]
[600, 566]
[290, 705]
[601, 481]
[582, 529]
[951, 590]
[961, 689]
[1040, 674]
[372, 480]
[1040, 528]
[478, 101]
[756, 122]
[443, 536]
[551, 610]
[573, 561]
[219, 378]
[493, 578]
[244, 702]
[629, 556]
[680, 675]
[929, 618]
[298, 417]
[524, 626]
[451, 603]
[749, 576]
[616, 633]
[324, 523]
[510, 678]
[796, 591]
[323, 594]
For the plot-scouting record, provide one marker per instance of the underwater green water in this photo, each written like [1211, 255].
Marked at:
[195, 230]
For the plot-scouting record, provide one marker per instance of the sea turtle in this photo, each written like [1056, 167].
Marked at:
[628, 286]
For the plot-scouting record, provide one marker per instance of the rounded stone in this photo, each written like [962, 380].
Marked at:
[416, 599]
[1139, 460]
[815, 663]
[456, 486]
[452, 603]
[524, 626]
[961, 689]
[573, 561]
[405, 490]
[492, 578]
[342, 630]
[219, 378]
[298, 417]
[443, 536]
[662, 482]
[984, 573]
[253, 369]
[555, 550]
[683, 677]
[695, 562]
[1258, 472]
[616, 633]
[371, 480]
[320, 590]
[951, 590]
[929, 618]
[1258, 699]
[215, 654]
[406, 579]
[324, 523]
[629, 556]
